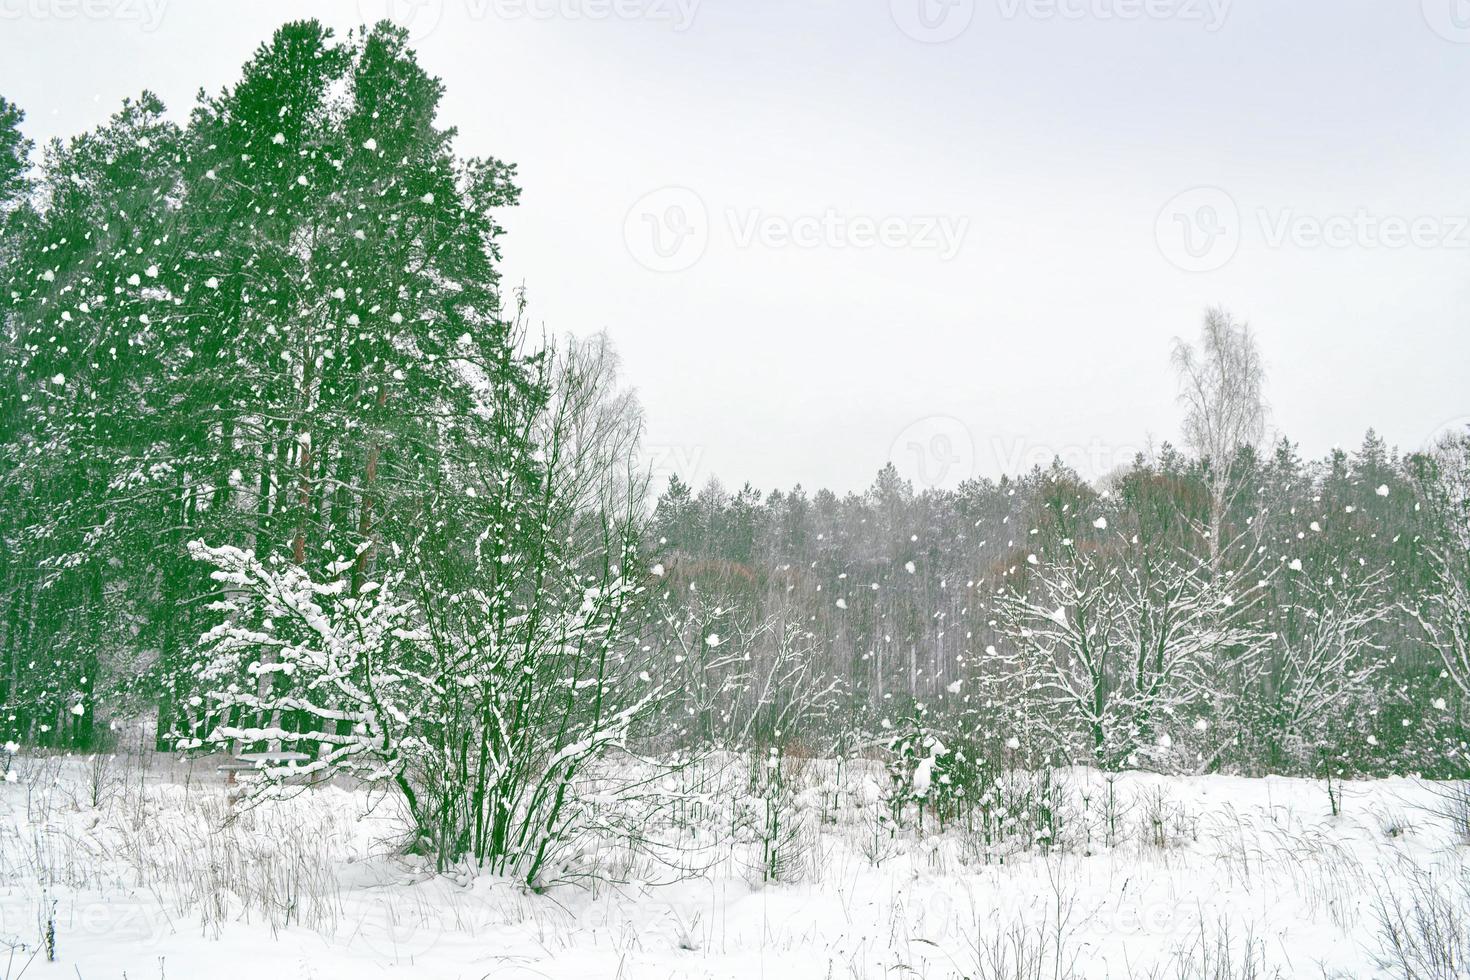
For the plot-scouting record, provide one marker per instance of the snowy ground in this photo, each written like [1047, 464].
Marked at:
[1211, 877]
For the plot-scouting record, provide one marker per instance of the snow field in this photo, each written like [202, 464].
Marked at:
[143, 866]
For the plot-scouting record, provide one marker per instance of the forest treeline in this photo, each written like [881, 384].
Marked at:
[283, 472]
[907, 602]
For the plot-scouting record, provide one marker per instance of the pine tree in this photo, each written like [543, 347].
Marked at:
[15, 152]
[88, 368]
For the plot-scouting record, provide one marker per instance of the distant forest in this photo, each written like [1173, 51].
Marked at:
[899, 597]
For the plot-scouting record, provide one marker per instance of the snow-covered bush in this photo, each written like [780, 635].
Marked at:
[1322, 669]
[480, 658]
[484, 733]
[942, 771]
[918, 763]
[1123, 648]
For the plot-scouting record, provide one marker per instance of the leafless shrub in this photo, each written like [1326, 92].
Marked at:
[1022, 952]
[1038, 949]
[1215, 952]
[1455, 808]
[1424, 930]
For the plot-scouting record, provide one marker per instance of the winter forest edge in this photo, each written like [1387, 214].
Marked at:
[287, 475]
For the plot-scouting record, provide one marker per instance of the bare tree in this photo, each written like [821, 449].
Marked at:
[1327, 668]
[742, 679]
[594, 423]
[1221, 384]
[1125, 647]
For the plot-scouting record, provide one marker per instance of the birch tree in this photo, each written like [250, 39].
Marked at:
[1221, 385]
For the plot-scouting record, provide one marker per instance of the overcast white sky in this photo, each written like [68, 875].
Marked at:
[824, 233]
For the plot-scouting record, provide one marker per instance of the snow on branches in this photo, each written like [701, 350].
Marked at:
[483, 723]
[303, 662]
[1124, 656]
